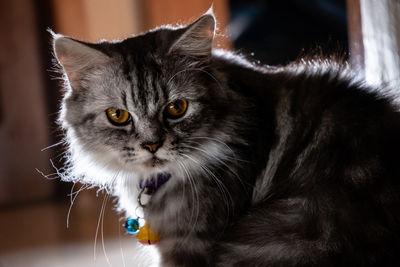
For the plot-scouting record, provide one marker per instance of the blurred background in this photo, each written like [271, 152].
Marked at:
[34, 208]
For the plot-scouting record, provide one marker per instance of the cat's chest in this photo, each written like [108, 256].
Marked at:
[157, 201]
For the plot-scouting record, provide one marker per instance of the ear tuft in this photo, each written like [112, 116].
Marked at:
[196, 40]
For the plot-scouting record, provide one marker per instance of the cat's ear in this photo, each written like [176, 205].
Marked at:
[76, 57]
[196, 39]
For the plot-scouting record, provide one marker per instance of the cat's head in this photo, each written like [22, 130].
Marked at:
[147, 104]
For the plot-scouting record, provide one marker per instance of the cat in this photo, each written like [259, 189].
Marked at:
[291, 165]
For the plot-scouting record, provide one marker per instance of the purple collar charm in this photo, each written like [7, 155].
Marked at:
[151, 185]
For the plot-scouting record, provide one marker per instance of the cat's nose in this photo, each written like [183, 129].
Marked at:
[152, 147]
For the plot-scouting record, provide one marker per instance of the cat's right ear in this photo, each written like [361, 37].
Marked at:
[76, 57]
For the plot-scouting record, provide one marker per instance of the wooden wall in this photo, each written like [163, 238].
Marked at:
[24, 128]
[93, 20]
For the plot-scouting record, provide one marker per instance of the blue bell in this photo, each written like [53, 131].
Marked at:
[132, 226]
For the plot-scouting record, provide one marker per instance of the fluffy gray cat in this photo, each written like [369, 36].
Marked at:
[245, 165]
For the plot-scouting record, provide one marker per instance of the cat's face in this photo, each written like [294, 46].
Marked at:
[143, 120]
[147, 104]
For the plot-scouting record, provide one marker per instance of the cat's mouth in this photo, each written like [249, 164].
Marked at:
[154, 162]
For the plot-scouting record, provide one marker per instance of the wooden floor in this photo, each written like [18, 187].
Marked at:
[45, 223]
[37, 235]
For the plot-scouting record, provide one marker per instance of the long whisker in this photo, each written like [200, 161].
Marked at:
[100, 220]
[207, 154]
[213, 139]
[53, 145]
[195, 198]
[102, 232]
[73, 196]
[225, 193]
[102, 215]
[120, 243]
[214, 157]
[98, 227]
[221, 142]
[183, 192]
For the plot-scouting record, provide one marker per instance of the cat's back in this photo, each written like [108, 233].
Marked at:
[324, 121]
[332, 167]
[308, 91]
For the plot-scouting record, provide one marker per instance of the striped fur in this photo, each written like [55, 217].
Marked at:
[283, 166]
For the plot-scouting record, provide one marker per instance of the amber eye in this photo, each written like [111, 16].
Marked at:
[118, 117]
[176, 109]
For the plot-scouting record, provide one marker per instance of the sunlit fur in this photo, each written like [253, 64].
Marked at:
[270, 166]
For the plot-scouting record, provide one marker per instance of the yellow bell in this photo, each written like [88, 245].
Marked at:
[146, 236]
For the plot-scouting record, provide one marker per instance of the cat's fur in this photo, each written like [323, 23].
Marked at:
[285, 166]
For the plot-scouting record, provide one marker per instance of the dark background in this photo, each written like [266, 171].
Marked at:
[278, 32]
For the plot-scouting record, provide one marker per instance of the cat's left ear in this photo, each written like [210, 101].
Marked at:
[196, 39]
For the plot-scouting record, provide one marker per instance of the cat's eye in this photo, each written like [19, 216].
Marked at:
[118, 117]
[176, 109]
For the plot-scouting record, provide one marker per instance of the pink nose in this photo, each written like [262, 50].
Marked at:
[151, 147]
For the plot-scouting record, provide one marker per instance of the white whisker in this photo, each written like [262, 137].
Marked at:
[195, 198]
[212, 139]
[120, 244]
[221, 142]
[214, 157]
[73, 196]
[221, 161]
[222, 188]
[97, 228]
[102, 231]
[53, 145]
